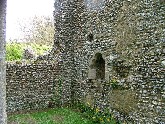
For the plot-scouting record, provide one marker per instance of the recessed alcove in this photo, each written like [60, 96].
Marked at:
[90, 37]
[97, 67]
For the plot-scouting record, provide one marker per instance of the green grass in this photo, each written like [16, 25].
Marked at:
[52, 116]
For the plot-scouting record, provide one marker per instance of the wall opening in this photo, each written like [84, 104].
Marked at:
[97, 67]
[29, 32]
[90, 37]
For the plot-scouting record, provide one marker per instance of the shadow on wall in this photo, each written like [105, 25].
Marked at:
[97, 67]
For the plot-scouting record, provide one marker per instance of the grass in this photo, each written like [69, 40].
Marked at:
[51, 116]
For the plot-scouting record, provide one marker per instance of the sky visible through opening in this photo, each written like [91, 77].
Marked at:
[19, 11]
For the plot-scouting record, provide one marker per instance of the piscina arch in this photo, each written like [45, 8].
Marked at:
[97, 68]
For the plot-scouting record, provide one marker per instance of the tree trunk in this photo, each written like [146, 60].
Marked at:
[3, 115]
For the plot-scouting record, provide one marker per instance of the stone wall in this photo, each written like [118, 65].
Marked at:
[111, 53]
[130, 37]
[31, 86]
[67, 25]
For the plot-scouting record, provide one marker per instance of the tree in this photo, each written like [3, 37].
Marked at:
[3, 117]
[38, 29]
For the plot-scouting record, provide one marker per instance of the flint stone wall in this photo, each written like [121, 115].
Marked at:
[30, 86]
[130, 35]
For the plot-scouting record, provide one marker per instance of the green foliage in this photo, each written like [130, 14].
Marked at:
[14, 51]
[40, 31]
[40, 49]
[95, 115]
[114, 84]
[52, 116]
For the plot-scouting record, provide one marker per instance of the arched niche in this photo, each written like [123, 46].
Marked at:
[97, 67]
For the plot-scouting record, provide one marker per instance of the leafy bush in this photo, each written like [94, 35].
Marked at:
[40, 49]
[96, 115]
[14, 51]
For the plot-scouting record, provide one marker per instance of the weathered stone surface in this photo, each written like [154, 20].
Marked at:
[3, 116]
[130, 35]
[29, 53]
[31, 86]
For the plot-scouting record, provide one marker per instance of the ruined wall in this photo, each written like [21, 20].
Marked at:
[68, 27]
[130, 34]
[2, 62]
[123, 38]
[130, 37]
[31, 86]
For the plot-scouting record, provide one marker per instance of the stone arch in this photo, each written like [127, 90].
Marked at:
[97, 67]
